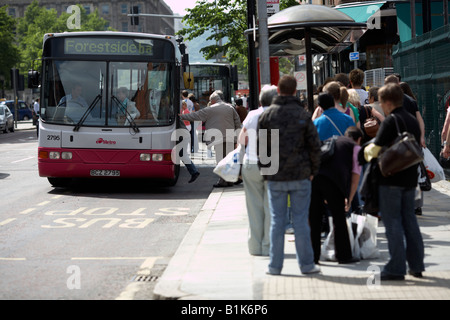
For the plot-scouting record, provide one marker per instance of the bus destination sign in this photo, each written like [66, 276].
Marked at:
[108, 46]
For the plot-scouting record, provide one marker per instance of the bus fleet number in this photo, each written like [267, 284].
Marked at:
[53, 137]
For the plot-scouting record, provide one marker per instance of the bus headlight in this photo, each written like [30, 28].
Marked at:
[145, 157]
[54, 155]
[66, 155]
[157, 157]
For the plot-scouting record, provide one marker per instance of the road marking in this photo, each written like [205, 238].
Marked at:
[26, 211]
[109, 258]
[21, 160]
[12, 259]
[134, 287]
[43, 203]
[4, 222]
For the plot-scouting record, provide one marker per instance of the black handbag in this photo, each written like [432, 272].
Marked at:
[327, 149]
[402, 154]
[444, 162]
[424, 178]
[369, 187]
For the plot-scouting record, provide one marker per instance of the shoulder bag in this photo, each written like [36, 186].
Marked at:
[371, 124]
[402, 154]
[327, 148]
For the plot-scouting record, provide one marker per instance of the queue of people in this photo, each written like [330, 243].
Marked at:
[310, 188]
[315, 188]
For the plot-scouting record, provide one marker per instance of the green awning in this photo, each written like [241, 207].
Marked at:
[362, 11]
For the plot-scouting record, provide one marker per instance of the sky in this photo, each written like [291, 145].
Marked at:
[179, 6]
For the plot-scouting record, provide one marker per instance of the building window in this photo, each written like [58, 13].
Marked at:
[12, 12]
[125, 26]
[124, 8]
[88, 9]
[105, 9]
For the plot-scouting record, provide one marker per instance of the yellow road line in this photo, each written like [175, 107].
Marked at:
[4, 222]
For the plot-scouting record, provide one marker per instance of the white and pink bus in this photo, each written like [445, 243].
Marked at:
[109, 105]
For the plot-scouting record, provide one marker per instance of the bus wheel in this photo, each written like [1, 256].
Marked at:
[172, 182]
[59, 182]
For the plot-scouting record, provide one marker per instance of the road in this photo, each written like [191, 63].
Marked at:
[98, 240]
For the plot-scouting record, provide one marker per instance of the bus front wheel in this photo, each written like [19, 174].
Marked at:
[59, 182]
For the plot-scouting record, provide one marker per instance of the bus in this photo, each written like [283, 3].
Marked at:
[209, 77]
[109, 105]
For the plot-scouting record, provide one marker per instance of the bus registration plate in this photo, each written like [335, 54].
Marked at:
[105, 173]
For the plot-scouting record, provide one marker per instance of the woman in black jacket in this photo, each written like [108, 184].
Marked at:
[397, 192]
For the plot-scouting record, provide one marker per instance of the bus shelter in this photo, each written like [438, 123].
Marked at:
[307, 30]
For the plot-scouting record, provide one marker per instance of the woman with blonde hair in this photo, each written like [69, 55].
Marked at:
[340, 96]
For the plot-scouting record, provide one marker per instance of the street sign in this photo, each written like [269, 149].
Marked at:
[354, 56]
[301, 80]
[273, 6]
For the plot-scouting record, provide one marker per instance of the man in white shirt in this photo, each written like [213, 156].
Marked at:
[356, 77]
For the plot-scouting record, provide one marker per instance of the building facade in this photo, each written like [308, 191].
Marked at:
[114, 11]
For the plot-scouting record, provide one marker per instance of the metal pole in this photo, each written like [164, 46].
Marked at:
[413, 18]
[309, 71]
[445, 12]
[252, 67]
[264, 54]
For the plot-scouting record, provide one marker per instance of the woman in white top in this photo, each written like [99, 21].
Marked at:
[255, 189]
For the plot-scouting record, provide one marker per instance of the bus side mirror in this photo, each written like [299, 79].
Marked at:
[33, 79]
[185, 59]
[188, 78]
[234, 77]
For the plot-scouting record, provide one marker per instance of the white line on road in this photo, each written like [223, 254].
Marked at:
[21, 160]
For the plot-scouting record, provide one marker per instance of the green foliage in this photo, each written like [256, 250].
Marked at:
[229, 20]
[9, 53]
[38, 21]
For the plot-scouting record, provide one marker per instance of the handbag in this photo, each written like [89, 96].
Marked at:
[424, 178]
[369, 188]
[371, 125]
[327, 147]
[444, 162]
[402, 154]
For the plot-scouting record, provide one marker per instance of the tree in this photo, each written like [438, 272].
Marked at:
[229, 20]
[38, 21]
[9, 53]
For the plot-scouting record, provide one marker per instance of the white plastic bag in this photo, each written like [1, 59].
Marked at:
[368, 239]
[434, 169]
[328, 251]
[229, 167]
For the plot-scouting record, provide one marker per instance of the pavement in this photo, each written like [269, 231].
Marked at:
[213, 263]
[24, 125]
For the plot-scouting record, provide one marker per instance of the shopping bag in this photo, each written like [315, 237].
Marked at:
[368, 239]
[229, 167]
[358, 222]
[434, 169]
[328, 251]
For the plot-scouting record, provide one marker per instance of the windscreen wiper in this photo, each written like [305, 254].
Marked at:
[127, 114]
[91, 107]
[85, 115]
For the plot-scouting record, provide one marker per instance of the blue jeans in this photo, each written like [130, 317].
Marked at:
[300, 193]
[405, 241]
